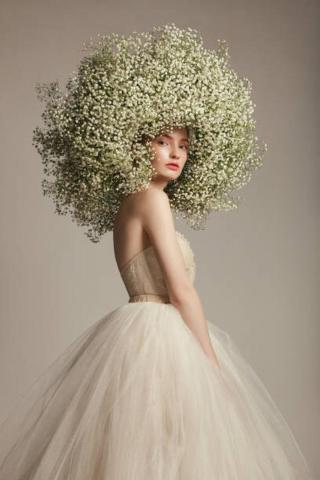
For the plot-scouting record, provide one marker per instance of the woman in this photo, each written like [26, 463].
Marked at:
[145, 218]
[151, 390]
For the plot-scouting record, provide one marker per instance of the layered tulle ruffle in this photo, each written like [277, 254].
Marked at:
[135, 398]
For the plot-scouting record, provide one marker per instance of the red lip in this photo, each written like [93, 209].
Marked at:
[173, 166]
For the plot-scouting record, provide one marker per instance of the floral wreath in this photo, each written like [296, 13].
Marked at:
[127, 89]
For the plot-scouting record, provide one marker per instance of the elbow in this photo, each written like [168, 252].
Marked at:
[182, 295]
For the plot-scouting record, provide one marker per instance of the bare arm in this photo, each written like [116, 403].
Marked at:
[191, 310]
[157, 220]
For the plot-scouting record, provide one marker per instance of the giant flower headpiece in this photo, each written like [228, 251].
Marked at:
[127, 89]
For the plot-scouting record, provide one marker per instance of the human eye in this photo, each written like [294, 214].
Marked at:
[161, 141]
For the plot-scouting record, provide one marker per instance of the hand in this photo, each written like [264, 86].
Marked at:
[225, 384]
[214, 362]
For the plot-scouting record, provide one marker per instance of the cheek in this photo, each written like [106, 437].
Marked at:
[160, 154]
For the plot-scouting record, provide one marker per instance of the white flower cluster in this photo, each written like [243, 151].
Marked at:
[127, 89]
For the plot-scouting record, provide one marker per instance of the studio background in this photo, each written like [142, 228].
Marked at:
[257, 267]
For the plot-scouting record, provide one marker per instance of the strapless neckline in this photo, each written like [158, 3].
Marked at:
[142, 252]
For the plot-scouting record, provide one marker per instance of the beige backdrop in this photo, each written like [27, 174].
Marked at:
[258, 266]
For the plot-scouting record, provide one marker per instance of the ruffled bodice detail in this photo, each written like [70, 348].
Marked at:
[143, 277]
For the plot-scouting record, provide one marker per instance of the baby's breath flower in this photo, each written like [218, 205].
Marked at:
[129, 88]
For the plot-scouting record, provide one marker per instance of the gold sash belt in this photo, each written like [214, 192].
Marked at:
[149, 297]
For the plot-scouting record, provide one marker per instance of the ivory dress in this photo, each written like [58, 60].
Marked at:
[134, 397]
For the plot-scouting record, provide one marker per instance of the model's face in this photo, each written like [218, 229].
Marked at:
[170, 153]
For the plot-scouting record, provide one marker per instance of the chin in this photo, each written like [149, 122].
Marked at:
[169, 177]
[172, 177]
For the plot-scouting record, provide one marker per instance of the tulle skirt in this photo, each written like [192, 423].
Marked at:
[136, 398]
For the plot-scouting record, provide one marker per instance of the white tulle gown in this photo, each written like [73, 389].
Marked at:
[136, 398]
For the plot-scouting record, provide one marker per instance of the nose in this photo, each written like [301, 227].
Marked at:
[174, 153]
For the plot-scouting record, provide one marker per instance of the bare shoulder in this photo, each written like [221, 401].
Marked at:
[148, 201]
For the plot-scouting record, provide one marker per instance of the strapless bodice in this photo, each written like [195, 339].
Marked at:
[143, 277]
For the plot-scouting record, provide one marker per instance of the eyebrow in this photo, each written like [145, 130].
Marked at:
[170, 136]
